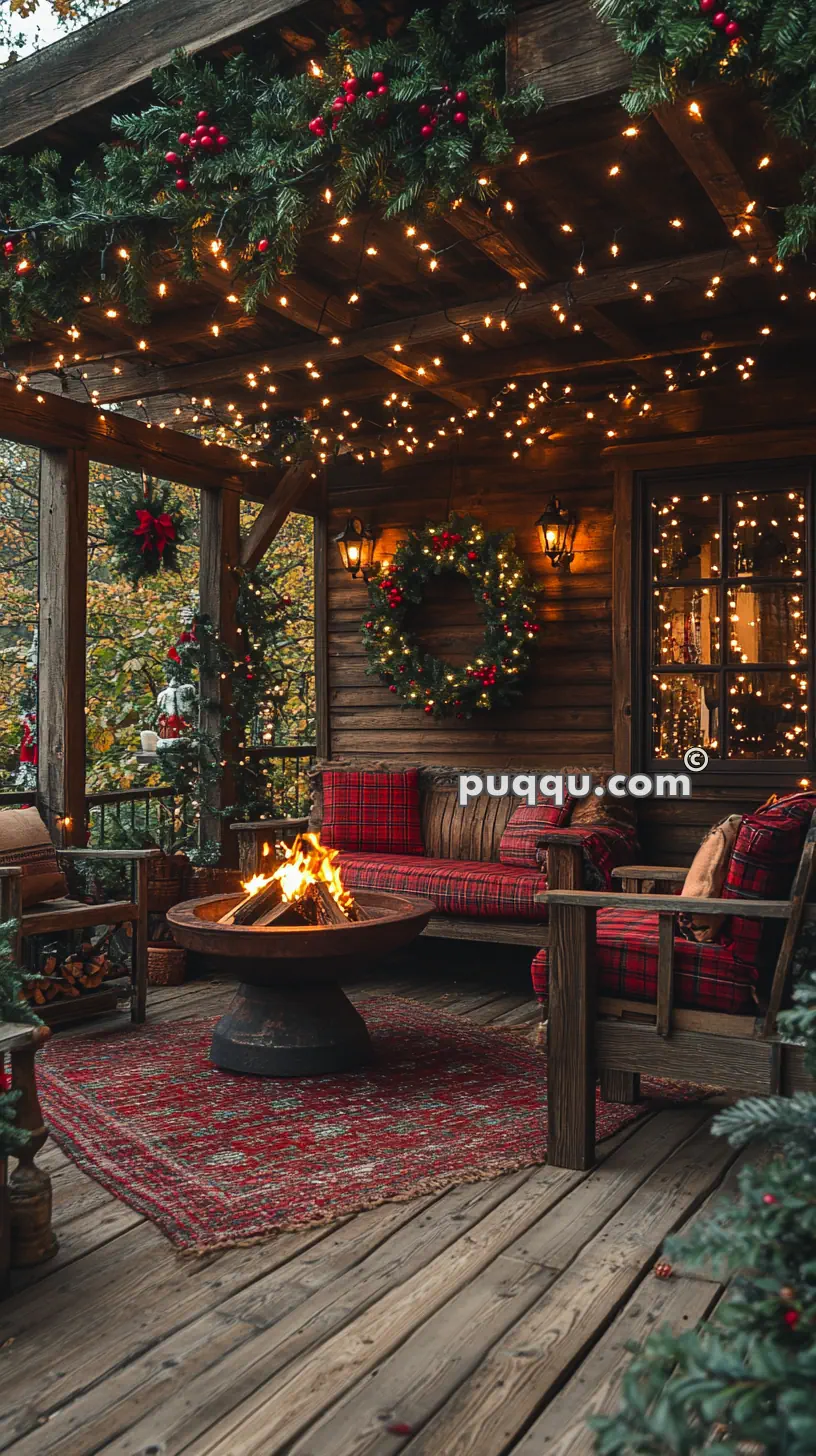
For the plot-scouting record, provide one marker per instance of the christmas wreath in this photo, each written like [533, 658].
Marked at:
[505, 596]
[145, 529]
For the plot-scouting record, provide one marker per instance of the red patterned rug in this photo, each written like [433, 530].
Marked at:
[216, 1159]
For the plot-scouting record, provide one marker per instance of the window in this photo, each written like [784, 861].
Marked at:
[728, 598]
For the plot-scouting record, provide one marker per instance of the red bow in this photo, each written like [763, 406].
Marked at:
[28, 746]
[157, 531]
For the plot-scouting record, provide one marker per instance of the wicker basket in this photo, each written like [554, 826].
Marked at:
[166, 965]
[205, 880]
[165, 882]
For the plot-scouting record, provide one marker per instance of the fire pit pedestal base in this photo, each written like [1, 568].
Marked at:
[290, 1017]
[305, 1030]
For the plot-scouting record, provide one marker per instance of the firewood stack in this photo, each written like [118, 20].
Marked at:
[83, 970]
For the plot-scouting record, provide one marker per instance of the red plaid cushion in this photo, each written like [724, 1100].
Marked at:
[762, 865]
[484, 891]
[706, 975]
[520, 839]
[370, 810]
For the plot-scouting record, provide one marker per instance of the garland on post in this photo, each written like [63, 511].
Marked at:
[676, 43]
[145, 529]
[244, 160]
[504, 594]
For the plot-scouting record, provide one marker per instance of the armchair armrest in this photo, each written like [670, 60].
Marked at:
[267, 825]
[667, 874]
[671, 904]
[554, 838]
[10, 872]
[109, 854]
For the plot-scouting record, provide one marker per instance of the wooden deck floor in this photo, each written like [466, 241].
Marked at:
[489, 1319]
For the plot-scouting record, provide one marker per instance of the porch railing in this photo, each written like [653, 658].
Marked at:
[115, 816]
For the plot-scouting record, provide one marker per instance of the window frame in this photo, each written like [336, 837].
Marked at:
[727, 480]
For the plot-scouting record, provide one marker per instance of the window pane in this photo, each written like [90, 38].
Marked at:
[686, 625]
[686, 537]
[685, 713]
[767, 624]
[767, 714]
[767, 534]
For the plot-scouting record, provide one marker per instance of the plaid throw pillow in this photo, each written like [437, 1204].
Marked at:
[762, 865]
[372, 811]
[519, 841]
[26, 843]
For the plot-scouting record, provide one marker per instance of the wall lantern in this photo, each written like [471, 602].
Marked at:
[556, 530]
[356, 546]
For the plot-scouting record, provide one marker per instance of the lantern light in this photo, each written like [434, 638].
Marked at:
[356, 546]
[556, 531]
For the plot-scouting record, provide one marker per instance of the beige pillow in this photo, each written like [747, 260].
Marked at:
[706, 876]
[25, 842]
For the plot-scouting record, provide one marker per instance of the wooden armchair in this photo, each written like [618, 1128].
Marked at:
[53, 916]
[590, 1033]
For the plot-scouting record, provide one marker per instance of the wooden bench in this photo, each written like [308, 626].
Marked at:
[621, 1038]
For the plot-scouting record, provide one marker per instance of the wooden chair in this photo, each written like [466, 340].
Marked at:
[590, 1033]
[53, 916]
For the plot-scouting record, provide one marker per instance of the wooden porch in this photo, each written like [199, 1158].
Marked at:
[489, 1319]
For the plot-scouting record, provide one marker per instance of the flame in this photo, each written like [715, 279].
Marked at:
[304, 863]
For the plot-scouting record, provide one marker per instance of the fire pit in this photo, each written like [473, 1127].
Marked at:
[294, 935]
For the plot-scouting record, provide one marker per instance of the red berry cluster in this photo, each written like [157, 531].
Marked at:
[207, 140]
[445, 540]
[720, 19]
[530, 626]
[485, 675]
[454, 104]
[349, 95]
[393, 594]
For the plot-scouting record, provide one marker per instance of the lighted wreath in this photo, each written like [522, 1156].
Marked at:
[504, 593]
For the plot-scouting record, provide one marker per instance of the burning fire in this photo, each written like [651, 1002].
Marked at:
[306, 862]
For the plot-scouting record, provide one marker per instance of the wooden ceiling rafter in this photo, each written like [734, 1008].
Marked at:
[696, 141]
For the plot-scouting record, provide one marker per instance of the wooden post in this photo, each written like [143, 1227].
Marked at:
[571, 1027]
[63, 571]
[321, 637]
[220, 554]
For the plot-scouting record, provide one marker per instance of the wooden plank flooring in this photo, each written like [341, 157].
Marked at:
[486, 1320]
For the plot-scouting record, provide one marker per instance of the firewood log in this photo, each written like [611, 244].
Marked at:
[285, 913]
[334, 913]
[247, 911]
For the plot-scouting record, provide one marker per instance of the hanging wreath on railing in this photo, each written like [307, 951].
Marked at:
[504, 593]
[145, 528]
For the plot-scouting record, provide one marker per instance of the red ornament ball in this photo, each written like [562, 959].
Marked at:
[263, 246]
[378, 78]
[392, 688]
[460, 118]
[370, 95]
[352, 84]
[338, 104]
[222, 141]
[182, 184]
[193, 144]
[8, 247]
[732, 30]
[184, 139]
[202, 116]
[663, 1269]
[424, 110]
[720, 20]
[769, 1198]
[473, 556]
[707, 6]
[200, 131]
[351, 97]
[213, 130]
[207, 142]
[369, 625]
[382, 90]
[791, 1318]
[317, 126]
[428, 708]
[461, 98]
[426, 132]
[171, 158]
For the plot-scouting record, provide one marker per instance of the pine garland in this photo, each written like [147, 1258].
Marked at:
[145, 529]
[505, 596]
[771, 47]
[266, 174]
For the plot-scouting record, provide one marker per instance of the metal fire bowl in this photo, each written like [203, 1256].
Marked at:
[290, 1016]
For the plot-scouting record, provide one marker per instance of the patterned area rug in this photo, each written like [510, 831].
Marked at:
[215, 1159]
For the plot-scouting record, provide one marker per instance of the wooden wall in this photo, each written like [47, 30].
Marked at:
[564, 713]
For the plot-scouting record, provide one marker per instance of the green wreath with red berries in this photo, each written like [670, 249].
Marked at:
[505, 595]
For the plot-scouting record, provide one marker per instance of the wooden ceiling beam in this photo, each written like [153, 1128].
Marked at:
[567, 52]
[114, 53]
[705, 156]
[46, 421]
[592, 290]
[293, 486]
